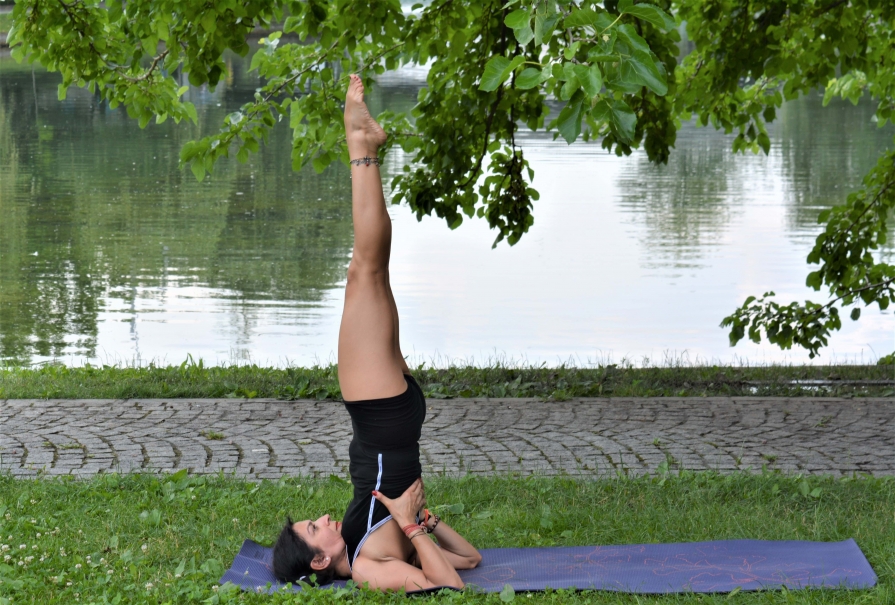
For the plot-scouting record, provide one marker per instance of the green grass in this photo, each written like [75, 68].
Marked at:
[194, 379]
[5, 22]
[149, 539]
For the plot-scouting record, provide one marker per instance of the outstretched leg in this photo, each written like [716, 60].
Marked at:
[370, 361]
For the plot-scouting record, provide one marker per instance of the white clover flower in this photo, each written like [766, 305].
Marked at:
[68, 583]
[54, 578]
[144, 548]
[33, 521]
[21, 563]
[42, 559]
[177, 575]
[192, 497]
[148, 585]
[109, 572]
[235, 520]
[7, 558]
[80, 532]
[22, 546]
[29, 559]
[38, 534]
[4, 548]
[88, 558]
[33, 501]
[102, 560]
[214, 588]
[34, 547]
[77, 566]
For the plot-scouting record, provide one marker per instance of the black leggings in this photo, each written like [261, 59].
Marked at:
[384, 455]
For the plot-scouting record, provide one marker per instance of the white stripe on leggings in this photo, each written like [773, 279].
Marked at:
[373, 498]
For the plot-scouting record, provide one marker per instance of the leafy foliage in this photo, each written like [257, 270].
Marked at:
[583, 70]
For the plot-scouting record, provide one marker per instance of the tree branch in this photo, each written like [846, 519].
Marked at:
[829, 7]
[116, 68]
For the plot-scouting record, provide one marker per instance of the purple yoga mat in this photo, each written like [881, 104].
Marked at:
[720, 566]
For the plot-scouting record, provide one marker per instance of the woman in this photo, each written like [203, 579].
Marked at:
[382, 542]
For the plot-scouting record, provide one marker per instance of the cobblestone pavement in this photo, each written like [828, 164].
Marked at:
[586, 437]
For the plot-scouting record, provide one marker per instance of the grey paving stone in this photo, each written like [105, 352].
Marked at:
[585, 437]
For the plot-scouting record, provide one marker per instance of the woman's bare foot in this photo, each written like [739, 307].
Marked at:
[363, 134]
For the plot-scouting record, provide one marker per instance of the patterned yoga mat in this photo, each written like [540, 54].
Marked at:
[720, 566]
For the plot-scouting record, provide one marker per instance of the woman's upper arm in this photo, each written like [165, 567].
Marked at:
[391, 575]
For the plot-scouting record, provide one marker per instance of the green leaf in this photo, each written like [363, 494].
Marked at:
[507, 594]
[764, 142]
[161, 30]
[517, 19]
[497, 70]
[531, 77]
[634, 71]
[208, 21]
[591, 79]
[855, 314]
[581, 17]
[544, 27]
[624, 120]
[198, 168]
[650, 13]
[569, 88]
[569, 121]
[524, 35]
[627, 33]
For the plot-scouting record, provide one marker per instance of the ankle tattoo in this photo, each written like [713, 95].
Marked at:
[365, 161]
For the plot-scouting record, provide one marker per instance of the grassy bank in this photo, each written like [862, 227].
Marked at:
[146, 539]
[191, 379]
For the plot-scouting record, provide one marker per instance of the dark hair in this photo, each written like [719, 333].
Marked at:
[292, 558]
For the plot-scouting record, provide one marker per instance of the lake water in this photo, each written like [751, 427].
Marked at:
[111, 254]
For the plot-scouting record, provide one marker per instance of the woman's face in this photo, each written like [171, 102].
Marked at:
[324, 535]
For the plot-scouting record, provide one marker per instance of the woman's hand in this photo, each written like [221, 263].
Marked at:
[404, 508]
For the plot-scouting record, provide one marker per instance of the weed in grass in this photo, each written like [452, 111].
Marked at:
[167, 539]
[823, 422]
[212, 435]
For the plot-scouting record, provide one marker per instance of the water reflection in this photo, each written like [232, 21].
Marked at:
[818, 155]
[93, 208]
[108, 250]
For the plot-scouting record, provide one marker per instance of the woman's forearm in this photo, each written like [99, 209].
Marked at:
[453, 542]
[438, 570]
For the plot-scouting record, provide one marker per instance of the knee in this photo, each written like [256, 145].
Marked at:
[359, 271]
